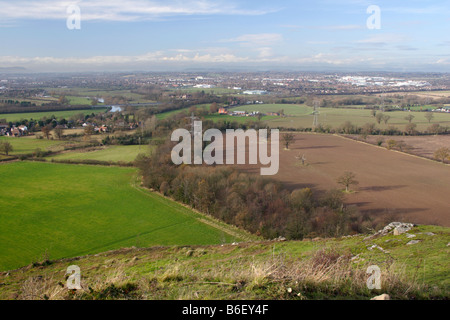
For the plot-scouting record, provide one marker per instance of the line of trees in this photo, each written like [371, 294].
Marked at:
[259, 205]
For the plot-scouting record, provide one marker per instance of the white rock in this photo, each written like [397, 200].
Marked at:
[409, 236]
[384, 296]
[375, 246]
[413, 242]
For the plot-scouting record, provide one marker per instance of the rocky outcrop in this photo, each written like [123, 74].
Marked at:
[397, 228]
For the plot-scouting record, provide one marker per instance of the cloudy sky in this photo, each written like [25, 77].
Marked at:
[225, 34]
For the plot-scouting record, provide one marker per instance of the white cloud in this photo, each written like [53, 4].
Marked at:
[334, 27]
[117, 10]
[381, 39]
[444, 61]
[258, 39]
[117, 61]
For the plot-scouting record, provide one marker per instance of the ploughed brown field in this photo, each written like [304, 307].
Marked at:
[422, 146]
[391, 183]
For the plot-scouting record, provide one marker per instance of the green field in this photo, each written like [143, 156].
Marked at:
[75, 100]
[289, 109]
[111, 153]
[25, 145]
[58, 210]
[80, 93]
[215, 90]
[13, 117]
[300, 116]
[335, 117]
[165, 115]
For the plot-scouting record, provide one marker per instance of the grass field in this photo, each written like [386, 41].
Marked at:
[300, 116]
[25, 145]
[75, 100]
[12, 117]
[335, 117]
[70, 210]
[165, 115]
[216, 90]
[110, 153]
[289, 109]
[80, 94]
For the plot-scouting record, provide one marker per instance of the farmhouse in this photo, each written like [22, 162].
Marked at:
[223, 111]
[255, 92]
[3, 128]
[239, 113]
[16, 131]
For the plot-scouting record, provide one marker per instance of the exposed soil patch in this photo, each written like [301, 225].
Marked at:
[391, 183]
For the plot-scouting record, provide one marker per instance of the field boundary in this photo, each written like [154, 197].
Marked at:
[383, 148]
[203, 218]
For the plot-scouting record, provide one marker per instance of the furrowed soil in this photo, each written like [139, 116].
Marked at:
[422, 146]
[392, 184]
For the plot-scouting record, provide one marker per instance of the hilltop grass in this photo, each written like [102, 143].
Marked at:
[69, 210]
[292, 270]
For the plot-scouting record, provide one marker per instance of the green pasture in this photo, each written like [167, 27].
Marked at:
[25, 145]
[13, 117]
[110, 153]
[52, 211]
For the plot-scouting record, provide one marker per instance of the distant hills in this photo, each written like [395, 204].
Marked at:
[12, 69]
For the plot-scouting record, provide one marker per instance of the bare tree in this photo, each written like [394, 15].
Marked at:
[429, 116]
[301, 158]
[46, 131]
[391, 144]
[368, 129]
[435, 128]
[287, 139]
[379, 117]
[347, 179]
[260, 116]
[88, 131]
[409, 117]
[6, 147]
[213, 108]
[442, 154]
[411, 128]
[58, 131]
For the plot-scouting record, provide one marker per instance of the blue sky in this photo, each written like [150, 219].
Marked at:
[256, 34]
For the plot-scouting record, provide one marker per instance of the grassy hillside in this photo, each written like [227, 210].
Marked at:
[62, 211]
[297, 270]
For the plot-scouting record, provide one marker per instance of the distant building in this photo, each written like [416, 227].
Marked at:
[255, 92]
[223, 111]
[3, 128]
